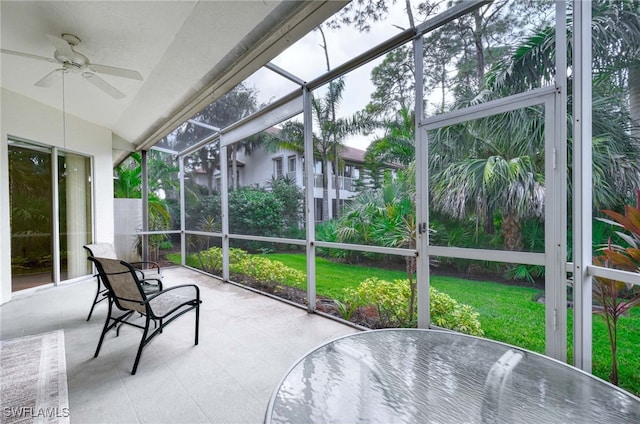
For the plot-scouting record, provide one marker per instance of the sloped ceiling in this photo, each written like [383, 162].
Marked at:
[188, 53]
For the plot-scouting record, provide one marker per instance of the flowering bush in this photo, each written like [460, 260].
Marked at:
[391, 300]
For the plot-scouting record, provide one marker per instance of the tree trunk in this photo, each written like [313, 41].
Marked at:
[325, 191]
[477, 39]
[489, 227]
[512, 233]
[337, 183]
[634, 99]
[411, 269]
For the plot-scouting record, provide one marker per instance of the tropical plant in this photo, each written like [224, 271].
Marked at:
[128, 184]
[500, 170]
[386, 217]
[398, 145]
[616, 297]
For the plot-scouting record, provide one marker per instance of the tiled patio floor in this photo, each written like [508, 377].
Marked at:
[247, 343]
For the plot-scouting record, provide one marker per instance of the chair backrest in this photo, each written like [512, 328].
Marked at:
[123, 284]
[101, 250]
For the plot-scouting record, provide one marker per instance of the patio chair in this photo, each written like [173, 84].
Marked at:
[148, 271]
[126, 292]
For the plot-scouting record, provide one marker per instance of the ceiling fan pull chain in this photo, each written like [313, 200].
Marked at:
[64, 122]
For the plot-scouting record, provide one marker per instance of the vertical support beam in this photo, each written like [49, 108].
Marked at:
[555, 229]
[556, 200]
[422, 191]
[55, 216]
[310, 199]
[582, 178]
[183, 221]
[224, 190]
[145, 205]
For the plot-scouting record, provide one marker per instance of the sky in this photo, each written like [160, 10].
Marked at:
[306, 60]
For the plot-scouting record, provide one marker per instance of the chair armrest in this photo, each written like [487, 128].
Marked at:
[158, 282]
[149, 265]
[160, 293]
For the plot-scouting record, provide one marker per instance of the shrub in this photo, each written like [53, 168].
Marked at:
[391, 300]
[446, 312]
[266, 270]
[292, 198]
[258, 267]
[254, 211]
[211, 259]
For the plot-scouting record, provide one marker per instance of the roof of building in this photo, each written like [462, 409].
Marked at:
[353, 155]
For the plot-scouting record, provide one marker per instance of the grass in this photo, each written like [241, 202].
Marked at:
[508, 314]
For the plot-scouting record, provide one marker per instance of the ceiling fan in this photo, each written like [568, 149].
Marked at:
[75, 62]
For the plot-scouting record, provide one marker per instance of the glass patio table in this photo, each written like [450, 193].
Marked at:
[431, 376]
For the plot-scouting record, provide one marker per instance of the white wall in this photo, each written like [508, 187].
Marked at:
[259, 166]
[29, 120]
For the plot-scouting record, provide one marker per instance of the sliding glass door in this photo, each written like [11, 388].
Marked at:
[50, 214]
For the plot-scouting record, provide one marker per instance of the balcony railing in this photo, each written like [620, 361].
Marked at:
[345, 183]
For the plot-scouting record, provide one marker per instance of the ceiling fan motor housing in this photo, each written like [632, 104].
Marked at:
[74, 62]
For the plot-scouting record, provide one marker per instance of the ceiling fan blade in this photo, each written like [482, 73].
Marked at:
[103, 85]
[61, 46]
[30, 56]
[49, 79]
[119, 72]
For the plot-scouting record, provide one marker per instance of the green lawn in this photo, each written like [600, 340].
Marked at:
[507, 313]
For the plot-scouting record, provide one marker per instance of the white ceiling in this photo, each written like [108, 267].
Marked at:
[188, 53]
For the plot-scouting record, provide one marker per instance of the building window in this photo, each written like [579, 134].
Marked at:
[348, 171]
[291, 167]
[277, 168]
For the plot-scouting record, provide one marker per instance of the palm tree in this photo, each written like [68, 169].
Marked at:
[128, 184]
[495, 164]
[327, 140]
[501, 169]
[398, 145]
[616, 94]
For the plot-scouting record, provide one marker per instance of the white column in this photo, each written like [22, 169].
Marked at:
[582, 180]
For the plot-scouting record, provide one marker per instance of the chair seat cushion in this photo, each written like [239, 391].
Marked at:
[172, 300]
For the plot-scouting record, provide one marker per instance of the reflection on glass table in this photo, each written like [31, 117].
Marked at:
[430, 376]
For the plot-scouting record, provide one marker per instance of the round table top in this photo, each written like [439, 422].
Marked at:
[430, 376]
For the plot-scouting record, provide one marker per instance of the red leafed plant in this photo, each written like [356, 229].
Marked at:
[618, 297]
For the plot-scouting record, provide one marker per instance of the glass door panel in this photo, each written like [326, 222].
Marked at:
[74, 196]
[30, 197]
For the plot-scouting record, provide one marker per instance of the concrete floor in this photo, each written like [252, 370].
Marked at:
[247, 343]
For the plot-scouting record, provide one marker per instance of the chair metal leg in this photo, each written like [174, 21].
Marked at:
[143, 342]
[197, 321]
[104, 330]
[95, 299]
